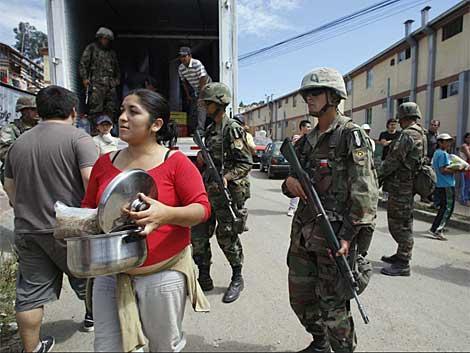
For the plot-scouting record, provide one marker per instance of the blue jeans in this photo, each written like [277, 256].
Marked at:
[464, 189]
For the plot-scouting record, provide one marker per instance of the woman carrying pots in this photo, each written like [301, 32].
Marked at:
[150, 300]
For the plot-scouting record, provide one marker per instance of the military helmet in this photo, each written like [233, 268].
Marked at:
[325, 77]
[408, 110]
[240, 118]
[25, 102]
[105, 32]
[216, 92]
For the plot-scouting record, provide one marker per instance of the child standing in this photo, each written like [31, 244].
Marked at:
[445, 185]
[104, 141]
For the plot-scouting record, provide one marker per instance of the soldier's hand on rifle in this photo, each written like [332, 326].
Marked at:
[86, 83]
[224, 179]
[294, 187]
[344, 250]
[200, 160]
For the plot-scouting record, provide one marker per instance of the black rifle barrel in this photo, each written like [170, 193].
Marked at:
[315, 205]
[214, 173]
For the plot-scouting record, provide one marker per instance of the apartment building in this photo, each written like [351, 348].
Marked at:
[430, 66]
[279, 117]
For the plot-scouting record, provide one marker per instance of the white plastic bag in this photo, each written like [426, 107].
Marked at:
[75, 221]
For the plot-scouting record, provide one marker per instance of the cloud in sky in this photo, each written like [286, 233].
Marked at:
[16, 11]
[261, 17]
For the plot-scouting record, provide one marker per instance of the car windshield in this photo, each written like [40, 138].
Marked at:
[277, 148]
[261, 141]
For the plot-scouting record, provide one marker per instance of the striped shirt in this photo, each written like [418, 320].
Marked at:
[193, 73]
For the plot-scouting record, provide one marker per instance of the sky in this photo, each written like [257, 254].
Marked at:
[264, 22]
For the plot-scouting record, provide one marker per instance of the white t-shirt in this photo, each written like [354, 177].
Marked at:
[106, 143]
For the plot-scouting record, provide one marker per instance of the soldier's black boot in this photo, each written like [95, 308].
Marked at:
[235, 287]
[390, 259]
[205, 280]
[319, 345]
[399, 268]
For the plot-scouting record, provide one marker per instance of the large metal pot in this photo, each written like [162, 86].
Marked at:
[120, 249]
[106, 254]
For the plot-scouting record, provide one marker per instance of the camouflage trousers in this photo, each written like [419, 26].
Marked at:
[103, 99]
[221, 222]
[400, 220]
[313, 295]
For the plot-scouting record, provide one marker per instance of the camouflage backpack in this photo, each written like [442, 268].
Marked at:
[425, 179]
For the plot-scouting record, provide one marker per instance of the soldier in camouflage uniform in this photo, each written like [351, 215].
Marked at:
[397, 174]
[9, 133]
[226, 140]
[99, 68]
[338, 157]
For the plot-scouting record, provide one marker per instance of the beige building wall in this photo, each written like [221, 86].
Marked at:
[423, 60]
[453, 54]
[446, 111]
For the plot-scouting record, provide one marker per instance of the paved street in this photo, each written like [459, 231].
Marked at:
[425, 312]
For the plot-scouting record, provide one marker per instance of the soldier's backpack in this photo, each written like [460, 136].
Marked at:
[425, 179]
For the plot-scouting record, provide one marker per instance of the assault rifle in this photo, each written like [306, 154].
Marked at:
[238, 222]
[315, 205]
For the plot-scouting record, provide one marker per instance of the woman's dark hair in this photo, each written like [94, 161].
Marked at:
[158, 107]
[55, 102]
[466, 135]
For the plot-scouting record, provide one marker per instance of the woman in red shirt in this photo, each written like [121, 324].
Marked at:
[160, 290]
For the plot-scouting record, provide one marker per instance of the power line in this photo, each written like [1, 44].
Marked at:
[332, 29]
[331, 33]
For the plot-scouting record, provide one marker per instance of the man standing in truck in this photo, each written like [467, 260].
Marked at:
[194, 76]
[99, 70]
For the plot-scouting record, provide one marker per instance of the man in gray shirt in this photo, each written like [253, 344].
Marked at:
[51, 162]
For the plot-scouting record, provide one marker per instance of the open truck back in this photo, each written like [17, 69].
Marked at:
[148, 34]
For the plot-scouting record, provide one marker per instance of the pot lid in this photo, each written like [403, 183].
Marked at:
[122, 192]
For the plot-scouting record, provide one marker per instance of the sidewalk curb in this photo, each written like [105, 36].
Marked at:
[428, 216]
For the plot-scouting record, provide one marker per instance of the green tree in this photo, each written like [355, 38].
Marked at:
[29, 40]
[241, 105]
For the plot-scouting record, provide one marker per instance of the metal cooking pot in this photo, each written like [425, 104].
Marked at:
[106, 254]
[120, 248]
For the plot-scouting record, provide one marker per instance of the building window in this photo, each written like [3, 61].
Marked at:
[294, 101]
[349, 86]
[392, 62]
[402, 100]
[287, 100]
[368, 119]
[259, 114]
[452, 89]
[286, 123]
[279, 103]
[384, 105]
[452, 28]
[369, 79]
[404, 55]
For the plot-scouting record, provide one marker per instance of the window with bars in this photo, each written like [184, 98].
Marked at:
[452, 28]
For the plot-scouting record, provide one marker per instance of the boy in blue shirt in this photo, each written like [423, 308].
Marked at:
[445, 185]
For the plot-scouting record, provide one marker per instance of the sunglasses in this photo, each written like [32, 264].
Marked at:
[312, 93]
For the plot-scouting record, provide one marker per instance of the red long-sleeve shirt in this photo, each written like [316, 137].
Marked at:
[179, 184]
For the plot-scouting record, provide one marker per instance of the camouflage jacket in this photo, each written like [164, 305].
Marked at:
[228, 146]
[340, 164]
[100, 65]
[404, 158]
[9, 133]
